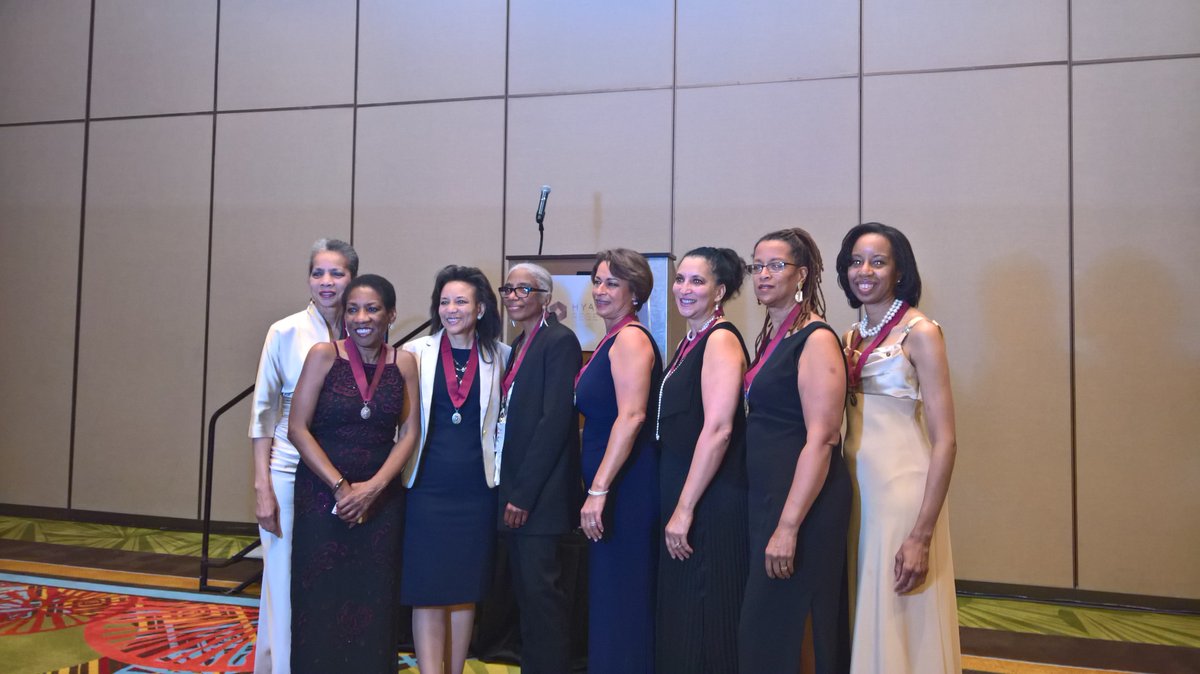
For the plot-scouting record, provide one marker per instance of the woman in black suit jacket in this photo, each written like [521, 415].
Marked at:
[539, 464]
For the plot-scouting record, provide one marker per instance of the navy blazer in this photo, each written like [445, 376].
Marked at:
[540, 470]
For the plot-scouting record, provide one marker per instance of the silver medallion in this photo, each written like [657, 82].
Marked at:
[365, 412]
[456, 417]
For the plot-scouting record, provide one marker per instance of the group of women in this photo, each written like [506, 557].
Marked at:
[730, 527]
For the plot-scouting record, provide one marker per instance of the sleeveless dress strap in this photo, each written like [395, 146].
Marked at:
[908, 328]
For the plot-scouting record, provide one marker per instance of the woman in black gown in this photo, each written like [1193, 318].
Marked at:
[351, 398]
[450, 526]
[702, 474]
[799, 489]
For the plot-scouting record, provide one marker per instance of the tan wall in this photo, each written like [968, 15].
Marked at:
[1051, 197]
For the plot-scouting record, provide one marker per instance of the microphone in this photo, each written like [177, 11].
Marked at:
[541, 211]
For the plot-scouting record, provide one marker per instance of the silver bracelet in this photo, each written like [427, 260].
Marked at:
[594, 492]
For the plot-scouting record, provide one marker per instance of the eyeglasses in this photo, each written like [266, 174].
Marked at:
[775, 266]
[521, 291]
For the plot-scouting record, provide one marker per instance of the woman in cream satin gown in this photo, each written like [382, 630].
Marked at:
[900, 449]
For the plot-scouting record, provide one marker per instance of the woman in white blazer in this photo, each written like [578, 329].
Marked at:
[450, 524]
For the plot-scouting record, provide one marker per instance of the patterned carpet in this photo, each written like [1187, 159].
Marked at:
[111, 537]
[83, 626]
[68, 626]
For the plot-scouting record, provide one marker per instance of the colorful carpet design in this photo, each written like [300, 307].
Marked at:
[112, 537]
[83, 626]
[51, 626]
[43, 623]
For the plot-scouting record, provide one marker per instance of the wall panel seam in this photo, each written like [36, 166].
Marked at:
[504, 145]
[212, 194]
[674, 119]
[1071, 299]
[354, 118]
[87, 113]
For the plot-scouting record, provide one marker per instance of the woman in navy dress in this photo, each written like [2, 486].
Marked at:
[620, 469]
[702, 476]
[799, 488]
[354, 421]
[450, 528]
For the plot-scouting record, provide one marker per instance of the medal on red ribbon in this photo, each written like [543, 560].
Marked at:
[360, 375]
[458, 389]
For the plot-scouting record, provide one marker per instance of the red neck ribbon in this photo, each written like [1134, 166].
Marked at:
[607, 336]
[765, 352]
[857, 368]
[360, 371]
[459, 390]
[506, 383]
[686, 346]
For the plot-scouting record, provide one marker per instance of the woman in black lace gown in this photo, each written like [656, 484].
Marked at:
[352, 396]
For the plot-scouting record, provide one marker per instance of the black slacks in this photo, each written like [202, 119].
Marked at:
[545, 621]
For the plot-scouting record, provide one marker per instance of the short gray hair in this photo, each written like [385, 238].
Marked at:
[335, 246]
[544, 280]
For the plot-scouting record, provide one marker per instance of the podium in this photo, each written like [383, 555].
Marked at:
[572, 299]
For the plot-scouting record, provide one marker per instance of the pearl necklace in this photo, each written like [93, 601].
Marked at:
[691, 334]
[874, 330]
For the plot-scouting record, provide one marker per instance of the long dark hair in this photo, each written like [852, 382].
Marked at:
[908, 279]
[487, 329]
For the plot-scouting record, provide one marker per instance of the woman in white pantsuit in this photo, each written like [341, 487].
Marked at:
[331, 266]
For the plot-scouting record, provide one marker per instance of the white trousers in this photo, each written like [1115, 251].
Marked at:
[273, 649]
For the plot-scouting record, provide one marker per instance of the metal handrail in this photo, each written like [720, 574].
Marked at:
[205, 563]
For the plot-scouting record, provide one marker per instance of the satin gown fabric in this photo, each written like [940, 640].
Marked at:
[774, 611]
[888, 453]
[284, 350]
[622, 567]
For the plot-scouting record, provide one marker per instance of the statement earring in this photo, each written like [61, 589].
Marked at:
[800, 292]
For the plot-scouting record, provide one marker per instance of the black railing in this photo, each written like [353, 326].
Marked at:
[207, 564]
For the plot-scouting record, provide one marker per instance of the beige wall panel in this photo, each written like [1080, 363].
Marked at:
[282, 181]
[141, 335]
[421, 51]
[585, 46]
[972, 166]
[429, 192]
[1137, 239]
[920, 34]
[1117, 28]
[43, 60]
[41, 170]
[153, 57]
[607, 158]
[764, 40]
[757, 158]
[283, 53]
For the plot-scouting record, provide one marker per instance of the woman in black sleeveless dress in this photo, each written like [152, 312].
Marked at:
[702, 474]
[351, 398]
[799, 489]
